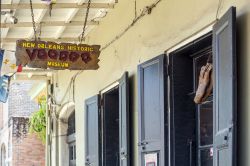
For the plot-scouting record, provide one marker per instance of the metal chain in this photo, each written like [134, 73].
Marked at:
[40, 32]
[50, 9]
[85, 22]
[33, 19]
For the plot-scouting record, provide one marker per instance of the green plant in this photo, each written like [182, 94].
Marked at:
[37, 121]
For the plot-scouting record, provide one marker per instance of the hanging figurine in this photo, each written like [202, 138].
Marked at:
[205, 86]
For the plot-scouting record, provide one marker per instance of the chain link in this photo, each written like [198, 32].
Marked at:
[33, 19]
[85, 22]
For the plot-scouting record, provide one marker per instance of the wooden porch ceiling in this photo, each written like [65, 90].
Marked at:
[57, 6]
[63, 25]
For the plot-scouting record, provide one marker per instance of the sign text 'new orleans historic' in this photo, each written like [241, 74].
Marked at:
[52, 55]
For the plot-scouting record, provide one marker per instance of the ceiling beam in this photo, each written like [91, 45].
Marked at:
[37, 20]
[69, 18]
[22, 78]
[48, 24]
[61, 40]
[71, 15]
[56, 6]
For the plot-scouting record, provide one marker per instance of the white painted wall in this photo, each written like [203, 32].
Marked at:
[64, 114]
[170, 22]
[5, 137]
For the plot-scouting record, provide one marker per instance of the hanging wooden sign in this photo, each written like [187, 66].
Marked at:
[52, 55]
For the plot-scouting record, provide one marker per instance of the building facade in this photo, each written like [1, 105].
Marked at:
[148, 113]
[18, 146]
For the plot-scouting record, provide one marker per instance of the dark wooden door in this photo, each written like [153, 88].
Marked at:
[225, 89]
[124, 120]
[151, 113]
[92, 131]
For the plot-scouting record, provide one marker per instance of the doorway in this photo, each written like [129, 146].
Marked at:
[107, 125]
[71, 140]
[204, 115]
[110, 122]
[191, 125]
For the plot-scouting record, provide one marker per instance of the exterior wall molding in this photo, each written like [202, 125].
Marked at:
[66, 110]
[63, 115]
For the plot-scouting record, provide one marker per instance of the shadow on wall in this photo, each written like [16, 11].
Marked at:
[243, 53]
[133, 151]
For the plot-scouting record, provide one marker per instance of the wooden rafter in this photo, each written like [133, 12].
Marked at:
[71, 15]
[56, 6]
[64, 39]
[48, 24]
[9, 39]
[38, 20]
[69, 18]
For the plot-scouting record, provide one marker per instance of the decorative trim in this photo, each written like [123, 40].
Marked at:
[66, 110]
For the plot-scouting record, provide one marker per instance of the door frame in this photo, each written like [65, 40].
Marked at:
[115, 85]
[202, 32]
[109, 87]
[102, 92]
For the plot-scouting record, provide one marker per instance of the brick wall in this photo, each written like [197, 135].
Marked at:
[27, 149]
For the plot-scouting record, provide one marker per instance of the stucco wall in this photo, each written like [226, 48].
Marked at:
[169, 23]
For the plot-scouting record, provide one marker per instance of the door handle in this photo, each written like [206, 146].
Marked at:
[87, 163]
[142, 143]
[123, 155]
